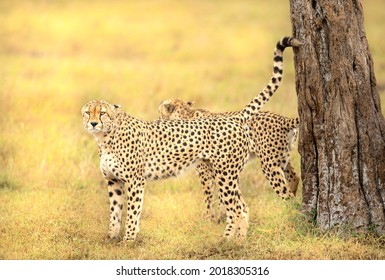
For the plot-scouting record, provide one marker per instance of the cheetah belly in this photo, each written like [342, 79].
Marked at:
[105, 164]
[157, 168]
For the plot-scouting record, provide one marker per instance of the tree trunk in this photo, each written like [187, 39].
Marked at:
[342, 130]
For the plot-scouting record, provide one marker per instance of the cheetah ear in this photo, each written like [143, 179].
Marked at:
[170, 107]
[117, 106]
[190, 103]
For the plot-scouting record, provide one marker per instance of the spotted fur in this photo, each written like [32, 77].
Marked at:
[272, 137]
[133, 151]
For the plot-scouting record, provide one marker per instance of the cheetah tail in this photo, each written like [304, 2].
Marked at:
[256, 104]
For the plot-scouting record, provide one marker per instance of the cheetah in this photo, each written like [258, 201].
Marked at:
[272, 137]
[133, 151]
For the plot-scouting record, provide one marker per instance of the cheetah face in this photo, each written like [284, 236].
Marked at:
[98, 116]
[171, 109]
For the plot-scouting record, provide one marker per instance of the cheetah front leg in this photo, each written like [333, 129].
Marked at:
[116, 195]
[207, 177]
[135, 194]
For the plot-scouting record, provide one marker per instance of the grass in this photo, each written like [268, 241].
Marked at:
[56, 55]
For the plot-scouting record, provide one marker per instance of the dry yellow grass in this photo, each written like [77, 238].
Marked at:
[54, 56]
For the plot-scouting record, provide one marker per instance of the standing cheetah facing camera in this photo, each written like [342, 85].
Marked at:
[133, 151]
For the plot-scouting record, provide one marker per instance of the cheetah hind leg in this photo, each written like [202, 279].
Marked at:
[229, 232]
[243, 205]
[292, 178]
[236, 210]
[276, 178]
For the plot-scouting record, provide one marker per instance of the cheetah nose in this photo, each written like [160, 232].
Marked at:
[94, 124]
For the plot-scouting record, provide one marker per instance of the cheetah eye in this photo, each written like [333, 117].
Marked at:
[102, 113]
[87, 112]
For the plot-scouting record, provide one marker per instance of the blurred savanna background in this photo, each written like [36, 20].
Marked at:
[57, 55]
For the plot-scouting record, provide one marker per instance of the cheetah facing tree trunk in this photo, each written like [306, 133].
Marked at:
[272, 138]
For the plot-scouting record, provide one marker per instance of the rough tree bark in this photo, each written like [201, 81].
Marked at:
[342, 131]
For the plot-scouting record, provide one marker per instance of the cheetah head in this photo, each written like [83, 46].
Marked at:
[171, 109]
[98, 116]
